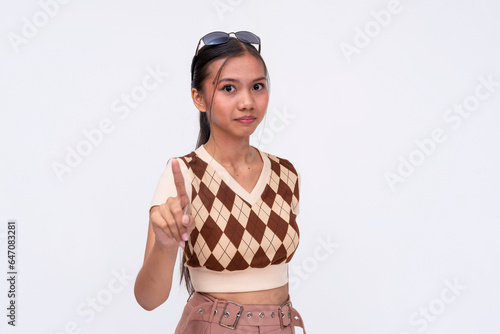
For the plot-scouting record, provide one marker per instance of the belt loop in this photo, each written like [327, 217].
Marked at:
[213, 310]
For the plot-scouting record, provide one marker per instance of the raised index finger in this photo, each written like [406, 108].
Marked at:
[179, 183]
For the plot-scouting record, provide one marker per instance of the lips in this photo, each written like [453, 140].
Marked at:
[246, 119]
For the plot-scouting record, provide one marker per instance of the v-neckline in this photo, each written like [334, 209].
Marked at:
[250, 197]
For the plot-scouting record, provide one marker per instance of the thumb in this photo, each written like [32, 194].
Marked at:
[189, 223]
[186, 217]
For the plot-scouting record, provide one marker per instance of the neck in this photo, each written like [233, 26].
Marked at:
[231, 151]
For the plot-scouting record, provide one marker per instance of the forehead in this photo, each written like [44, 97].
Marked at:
[241, 67]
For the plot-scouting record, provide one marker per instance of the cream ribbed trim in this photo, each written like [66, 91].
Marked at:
[250, 279]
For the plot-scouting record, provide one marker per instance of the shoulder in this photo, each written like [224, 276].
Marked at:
[183, 160]
[166, 184]
[280, 162]
[184, 164]
[186, 157]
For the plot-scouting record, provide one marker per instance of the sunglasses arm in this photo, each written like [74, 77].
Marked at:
[196, 53]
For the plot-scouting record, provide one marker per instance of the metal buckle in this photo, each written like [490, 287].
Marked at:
[281, 315]
[233, 326]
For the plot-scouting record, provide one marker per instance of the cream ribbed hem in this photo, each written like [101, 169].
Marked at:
[251, 279]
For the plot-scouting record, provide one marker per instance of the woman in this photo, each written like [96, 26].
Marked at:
[231, 207]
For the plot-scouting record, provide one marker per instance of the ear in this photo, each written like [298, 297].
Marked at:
[198, 100]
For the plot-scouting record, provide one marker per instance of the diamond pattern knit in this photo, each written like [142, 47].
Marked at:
[232, 234]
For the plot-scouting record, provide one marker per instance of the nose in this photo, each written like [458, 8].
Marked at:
[246, 101]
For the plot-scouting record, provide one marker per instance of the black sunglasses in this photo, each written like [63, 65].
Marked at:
[220, 37]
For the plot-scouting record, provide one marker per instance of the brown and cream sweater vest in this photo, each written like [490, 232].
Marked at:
[242, 241]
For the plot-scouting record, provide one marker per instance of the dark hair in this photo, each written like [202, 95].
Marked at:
[199, 73]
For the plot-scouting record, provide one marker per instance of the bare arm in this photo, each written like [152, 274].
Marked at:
[169, 227]
[154, 281]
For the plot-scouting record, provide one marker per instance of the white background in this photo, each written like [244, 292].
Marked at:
[345, 121]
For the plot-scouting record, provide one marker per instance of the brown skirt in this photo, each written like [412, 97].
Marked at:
[204, 314]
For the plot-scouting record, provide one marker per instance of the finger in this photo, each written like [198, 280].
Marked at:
[188, 225]
[159, 223]
[186, 209]
[179, 183]
[169, 217]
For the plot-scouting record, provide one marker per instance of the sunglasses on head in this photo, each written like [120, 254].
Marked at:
[220, 37]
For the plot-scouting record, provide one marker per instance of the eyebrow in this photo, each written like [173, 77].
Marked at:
[237, 81]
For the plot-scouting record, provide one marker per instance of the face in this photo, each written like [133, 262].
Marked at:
[241, 96]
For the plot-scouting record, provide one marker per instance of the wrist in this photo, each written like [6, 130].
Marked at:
[169, 247]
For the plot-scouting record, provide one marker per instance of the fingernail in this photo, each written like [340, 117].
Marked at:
[185, 220]
[185, 236]
[181, 243]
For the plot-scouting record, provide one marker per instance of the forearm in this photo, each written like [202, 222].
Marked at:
[154, 281]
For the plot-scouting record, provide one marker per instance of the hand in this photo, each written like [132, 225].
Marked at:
[172, 221]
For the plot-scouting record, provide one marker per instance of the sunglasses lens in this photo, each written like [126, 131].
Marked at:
[248, 37]
[216, 37]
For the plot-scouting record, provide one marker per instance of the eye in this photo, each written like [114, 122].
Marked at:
[228, 88]
[258, 86]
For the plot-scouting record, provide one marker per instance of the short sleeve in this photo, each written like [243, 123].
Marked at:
[166, 186]
[295, 200]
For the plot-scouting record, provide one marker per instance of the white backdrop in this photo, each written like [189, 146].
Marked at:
[388, 109]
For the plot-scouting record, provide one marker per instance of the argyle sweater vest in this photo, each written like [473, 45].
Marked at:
[232, 234]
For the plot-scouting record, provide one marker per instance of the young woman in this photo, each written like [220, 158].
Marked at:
[231, 207]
